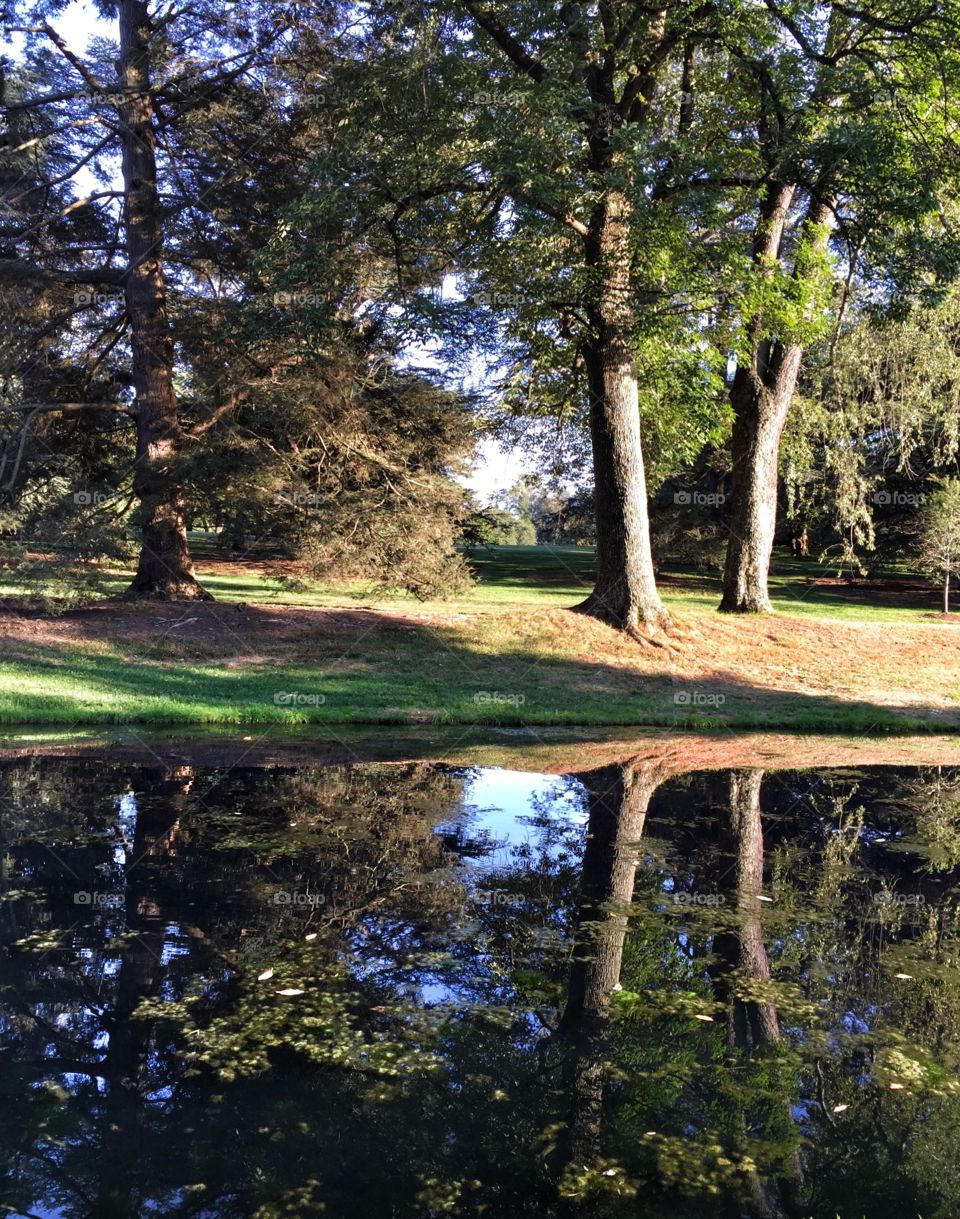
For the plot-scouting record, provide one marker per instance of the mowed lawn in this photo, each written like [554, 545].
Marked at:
[836, 655]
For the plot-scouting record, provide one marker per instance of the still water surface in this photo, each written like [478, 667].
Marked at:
[414, 989]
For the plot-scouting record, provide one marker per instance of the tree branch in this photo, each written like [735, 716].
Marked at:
[511, 47]
[555, 213]
[16, 270]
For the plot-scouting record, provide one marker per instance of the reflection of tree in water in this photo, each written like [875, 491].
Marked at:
[723, 1111]
[187, 928]
[740, 950]
[617, 799]
[124, 1067]
[547, 1033]
[741, 971]
[889, 939]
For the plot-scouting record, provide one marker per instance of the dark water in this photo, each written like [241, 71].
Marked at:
[419, 990]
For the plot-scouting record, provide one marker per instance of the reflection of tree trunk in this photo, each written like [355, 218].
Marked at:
[141, 969]
[619, 797]
[750, 1024]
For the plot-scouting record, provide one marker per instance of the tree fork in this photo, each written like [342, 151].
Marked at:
[761, 397]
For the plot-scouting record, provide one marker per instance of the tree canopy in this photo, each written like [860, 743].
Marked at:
[271, 272]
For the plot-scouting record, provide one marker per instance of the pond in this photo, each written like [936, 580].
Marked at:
[423, 987]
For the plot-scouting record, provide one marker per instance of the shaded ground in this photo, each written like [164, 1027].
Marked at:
[259, 663]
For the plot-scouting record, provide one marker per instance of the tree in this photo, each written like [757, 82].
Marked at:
[618, 800]
[539, 145]
[268, 402]
[875, 424]
[126, 99]
[498, 527]
[316, 437]
[846, 142]
[164, 566]
[940, 537]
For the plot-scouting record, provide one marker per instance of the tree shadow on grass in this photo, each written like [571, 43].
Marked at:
[348, 666]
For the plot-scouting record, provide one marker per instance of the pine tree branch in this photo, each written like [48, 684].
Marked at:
[17, 270]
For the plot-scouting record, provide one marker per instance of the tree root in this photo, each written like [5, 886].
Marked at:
[181, 590]
[660, 632]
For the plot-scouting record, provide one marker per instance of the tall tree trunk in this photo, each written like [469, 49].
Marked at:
[761, 397]
[621, 101]
[800, 542]
[164, 570]
[760, 413]
[625, 593]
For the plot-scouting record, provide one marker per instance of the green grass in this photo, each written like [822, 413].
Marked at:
[398, 680]
[550, 577]
[484, 671]
[558, 576]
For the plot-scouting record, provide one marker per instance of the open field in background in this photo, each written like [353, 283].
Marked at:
[856, 657]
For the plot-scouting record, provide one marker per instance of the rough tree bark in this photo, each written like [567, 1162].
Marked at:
[620, 82]
[164, 570]
[761, 397]
[625, 593]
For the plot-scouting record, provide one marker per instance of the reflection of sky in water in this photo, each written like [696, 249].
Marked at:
[478, 949]
[498, 805]
[127, 824]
